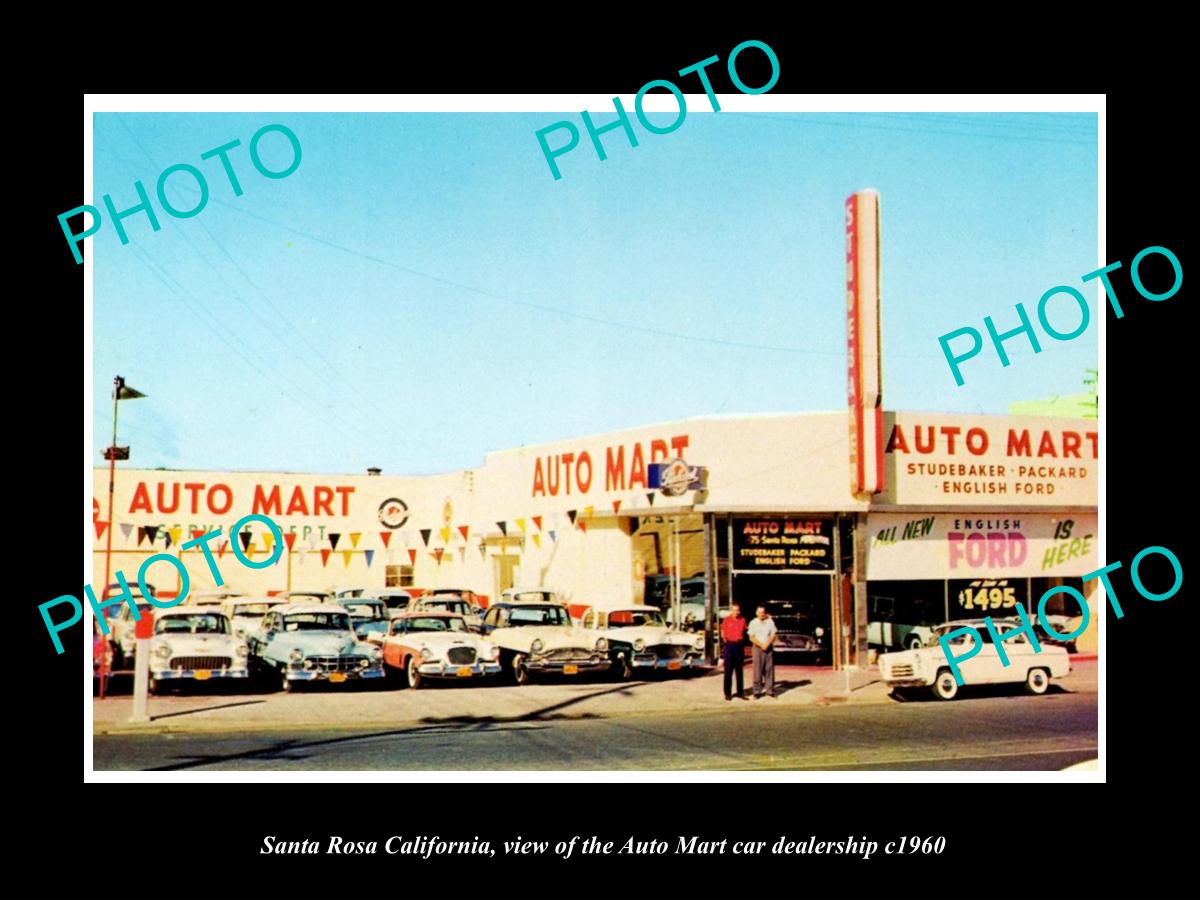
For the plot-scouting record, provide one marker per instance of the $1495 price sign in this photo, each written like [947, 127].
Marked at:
[988, 597]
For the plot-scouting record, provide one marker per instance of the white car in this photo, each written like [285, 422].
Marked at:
[451, 603]
[928, 666]
[640, 639]
[246, 612]
[421, 645]
[396, 599]
[211, 598]
[520, 595]
[195, 643]
[538, 637]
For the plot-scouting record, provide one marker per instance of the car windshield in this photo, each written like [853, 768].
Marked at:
[251, 609]
[629, 618]
[436, 623]
[199, 623]
[314, 621]
[449, 605]
[532, 615]
[395, 601]
[361, 610]
[981, 634]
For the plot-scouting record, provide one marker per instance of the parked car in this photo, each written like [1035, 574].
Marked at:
[341, 593]
[537, 637]
[210, 598]
[195, 643]
[121, 631]
[246, 612]
[928, 667]
[1061, 625]
[451, 603]
[301, 642]
[368, 616]
[520, 595]
[798, 624]
[306, 597]
[905, 625]
[639, 639]
[421, 645]
[396, 599]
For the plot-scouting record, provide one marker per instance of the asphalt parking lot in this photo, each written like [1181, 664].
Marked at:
[232, 709]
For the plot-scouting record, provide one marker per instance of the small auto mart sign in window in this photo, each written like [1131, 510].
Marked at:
[782, 544]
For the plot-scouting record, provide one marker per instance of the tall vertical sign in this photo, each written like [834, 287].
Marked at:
[864, 364]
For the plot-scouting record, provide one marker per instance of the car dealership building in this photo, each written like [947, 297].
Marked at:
[974, 513]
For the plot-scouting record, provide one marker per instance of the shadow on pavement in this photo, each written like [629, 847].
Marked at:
[295, 749]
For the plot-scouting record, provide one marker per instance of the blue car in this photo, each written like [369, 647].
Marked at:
[304, 642]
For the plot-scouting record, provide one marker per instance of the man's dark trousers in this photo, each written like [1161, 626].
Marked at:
[734, 657]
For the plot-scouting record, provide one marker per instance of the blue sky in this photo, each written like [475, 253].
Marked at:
[422, 291]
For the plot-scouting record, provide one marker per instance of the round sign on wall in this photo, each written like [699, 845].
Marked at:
[393, 512]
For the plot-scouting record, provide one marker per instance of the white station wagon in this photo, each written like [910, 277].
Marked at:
[928, 667]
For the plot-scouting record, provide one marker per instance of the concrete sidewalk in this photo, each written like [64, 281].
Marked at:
[327, 707]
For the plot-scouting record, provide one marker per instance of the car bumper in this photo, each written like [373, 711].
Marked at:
[197, 674]
[653, 662]
[334, 677]
[449, 670]
[906, 682]
[567, 667]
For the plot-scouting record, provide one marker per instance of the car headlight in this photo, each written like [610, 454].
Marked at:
[297, 655]
[698, 643]
[376, 653]
[537, 645]
[495, 654]
[602, 644]
[819, 631]
[426, 653]
[364, 663]
[638, 645]
[162, 651]
[242, 650]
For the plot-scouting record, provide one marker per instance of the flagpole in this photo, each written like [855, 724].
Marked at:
[112, 474]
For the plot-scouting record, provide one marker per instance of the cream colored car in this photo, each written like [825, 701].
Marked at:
[929, 667]
[537, 637]
[195, 643]
[639, 640]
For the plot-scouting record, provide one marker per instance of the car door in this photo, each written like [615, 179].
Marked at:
[1020, 652]
[984, 667]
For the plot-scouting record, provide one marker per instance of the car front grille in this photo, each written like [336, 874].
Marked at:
[568, 654]
[904, 671]
[201, 662]
[669, 651]
[333, 663]
[461, 656]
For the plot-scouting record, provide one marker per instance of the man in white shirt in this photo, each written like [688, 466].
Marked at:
[762, 633]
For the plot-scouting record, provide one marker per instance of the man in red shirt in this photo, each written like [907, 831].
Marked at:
[733, 637]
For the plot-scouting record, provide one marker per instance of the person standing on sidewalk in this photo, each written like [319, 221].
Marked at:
[762, 636]
[733, 636]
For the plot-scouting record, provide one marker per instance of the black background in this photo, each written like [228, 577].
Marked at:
[1061, 832]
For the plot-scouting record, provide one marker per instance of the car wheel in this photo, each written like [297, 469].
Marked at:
[944, 686]
[912, 642]
[1037, 681]
[520, 675]
[414, 676]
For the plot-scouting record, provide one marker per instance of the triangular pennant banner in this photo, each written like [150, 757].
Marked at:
[141, 534]
[268, 540]
[465, 531]
[100, 526]
[346, 554]
[616, 506]
[176, 533]
[370, 556]
[412, 557]
[333, 539]
[152, 532]
[222, 548]
[582, 523]
[197, 533]
[425, 532]
[290, 540]
[167, 539]
[325, 551]
[521, 525]
[251, 550]
[386, 537]
[650, 497]
[127, 530]
[437, 554]
[537, 540]
[444, 533]
[588, 511]
[537, 520]
[503, 528]
[551, 533]
[354, 537]
[571, 513]
[245, 537]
